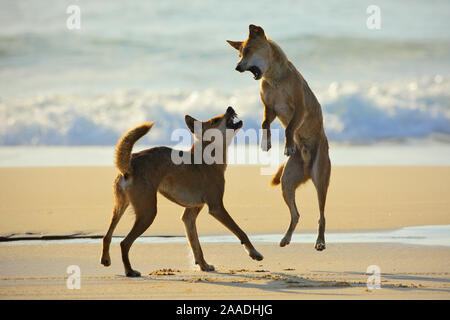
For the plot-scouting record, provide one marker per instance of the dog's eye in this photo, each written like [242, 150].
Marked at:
[215, 121]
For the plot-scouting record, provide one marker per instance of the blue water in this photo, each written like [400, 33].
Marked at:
[432, 235]
[158, 60]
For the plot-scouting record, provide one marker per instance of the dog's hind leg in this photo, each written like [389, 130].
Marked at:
[120, 205]
[320, 175]
[220, 213]
[145, 210]
[189, 218]
[293, 176]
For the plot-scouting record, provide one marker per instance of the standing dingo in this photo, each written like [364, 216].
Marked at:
[191, 185]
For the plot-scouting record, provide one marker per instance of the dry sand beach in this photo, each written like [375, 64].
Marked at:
[71, 201]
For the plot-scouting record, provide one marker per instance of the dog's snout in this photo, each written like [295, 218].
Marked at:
[239, 68]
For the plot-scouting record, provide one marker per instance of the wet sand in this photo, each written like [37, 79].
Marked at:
[293, 272]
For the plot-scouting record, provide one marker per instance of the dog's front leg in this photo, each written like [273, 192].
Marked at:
[220, 213]
[294, 123]
[266, 139]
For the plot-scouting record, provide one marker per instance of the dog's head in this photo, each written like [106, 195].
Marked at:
[254, 52]
[226, 124]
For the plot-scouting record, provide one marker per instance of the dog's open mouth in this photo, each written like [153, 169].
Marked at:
[257, 74]
[232, 116]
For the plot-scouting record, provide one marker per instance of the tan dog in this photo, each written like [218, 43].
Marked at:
[286, 95]
[192, 186]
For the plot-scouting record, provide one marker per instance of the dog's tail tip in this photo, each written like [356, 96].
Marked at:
[145, 127]
[276, 179]
[149, 124]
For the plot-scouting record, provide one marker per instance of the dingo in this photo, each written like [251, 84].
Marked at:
[192, 186]
[286, 95]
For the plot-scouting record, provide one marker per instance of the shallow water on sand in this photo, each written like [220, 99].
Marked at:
[431, 235]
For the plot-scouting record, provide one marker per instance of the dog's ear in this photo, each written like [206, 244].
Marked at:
[235, 44]
[190, 121]
[256, 31]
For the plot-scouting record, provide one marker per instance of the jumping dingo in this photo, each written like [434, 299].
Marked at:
[286, 95]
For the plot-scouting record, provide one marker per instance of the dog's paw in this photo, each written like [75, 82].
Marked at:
[289, 151]
[106, 261]
[285, 241]
[255, 255]
[206, 267]
[133, 274]
[320, 245]
[266, 144]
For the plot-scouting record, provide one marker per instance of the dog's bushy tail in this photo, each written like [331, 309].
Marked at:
[276, 179]
[125, 145]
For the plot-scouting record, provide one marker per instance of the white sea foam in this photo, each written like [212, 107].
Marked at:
[354, 113]
[152, 61]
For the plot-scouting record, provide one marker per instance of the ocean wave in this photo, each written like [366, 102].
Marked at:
[353, 113]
